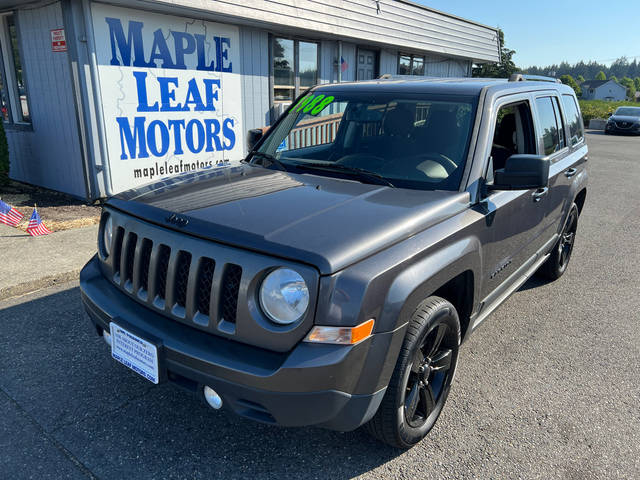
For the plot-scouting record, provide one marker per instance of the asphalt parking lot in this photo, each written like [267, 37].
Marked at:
[548, 388]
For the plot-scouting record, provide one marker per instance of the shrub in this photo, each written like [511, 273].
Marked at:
[600, 109]
[4, 156]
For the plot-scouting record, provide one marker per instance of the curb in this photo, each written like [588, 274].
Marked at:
[33, 286]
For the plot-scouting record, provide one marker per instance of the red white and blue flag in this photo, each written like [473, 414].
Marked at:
[36, 227]
[9, 215]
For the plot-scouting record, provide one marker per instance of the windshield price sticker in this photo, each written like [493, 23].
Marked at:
[313, 104]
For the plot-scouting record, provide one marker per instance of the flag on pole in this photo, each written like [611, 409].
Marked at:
[36, 227]
[9, 215]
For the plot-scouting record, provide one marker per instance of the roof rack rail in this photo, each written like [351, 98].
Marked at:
[522, 77]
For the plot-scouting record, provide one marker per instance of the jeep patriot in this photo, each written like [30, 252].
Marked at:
[330, 278]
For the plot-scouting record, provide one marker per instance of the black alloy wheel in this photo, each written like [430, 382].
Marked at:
[422, 377]
[558, 261]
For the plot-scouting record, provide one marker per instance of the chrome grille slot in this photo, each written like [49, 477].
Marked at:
[204, 283]
[163, 266]
[129, 247]
[145, 260]
[229, 294]
[117, 251]
[182, 277]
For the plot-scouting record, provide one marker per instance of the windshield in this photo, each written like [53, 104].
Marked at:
[628, 111]
[410, 141]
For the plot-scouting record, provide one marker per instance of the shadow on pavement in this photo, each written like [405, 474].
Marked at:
[118, 424]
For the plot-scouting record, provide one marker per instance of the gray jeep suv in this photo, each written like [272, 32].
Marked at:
[331, 277]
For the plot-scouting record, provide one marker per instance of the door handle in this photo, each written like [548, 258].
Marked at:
[570, 172]
[538, 194]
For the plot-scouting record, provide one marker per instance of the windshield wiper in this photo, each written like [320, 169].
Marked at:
[358, 172]
[270, 158]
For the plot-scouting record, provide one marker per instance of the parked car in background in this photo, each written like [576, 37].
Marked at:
[330, 279]
[624, 120]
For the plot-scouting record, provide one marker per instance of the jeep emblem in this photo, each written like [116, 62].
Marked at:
[177, 220]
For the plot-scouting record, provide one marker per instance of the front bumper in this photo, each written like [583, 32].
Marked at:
[333, 386]
[613, 128]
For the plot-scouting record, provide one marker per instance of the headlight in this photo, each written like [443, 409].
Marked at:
[284, 296]
[107, 235]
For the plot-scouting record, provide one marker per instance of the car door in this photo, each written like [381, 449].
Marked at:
[566, 167]
[514, 218]
[553, 142]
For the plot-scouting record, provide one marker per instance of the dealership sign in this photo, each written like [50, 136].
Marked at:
[171, 94]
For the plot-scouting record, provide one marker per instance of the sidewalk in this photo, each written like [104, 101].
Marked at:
[31, 263]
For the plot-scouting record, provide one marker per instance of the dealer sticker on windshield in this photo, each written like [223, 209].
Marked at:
[134, 352]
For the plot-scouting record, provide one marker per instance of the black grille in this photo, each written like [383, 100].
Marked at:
[182, 277]
[145, 260]
[130, 256]
[203, 289]
[164, 254]
[117, 249]
[229, 293]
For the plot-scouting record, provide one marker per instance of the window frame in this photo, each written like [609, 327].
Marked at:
[498, 105]
[581, 140]
[297, 89]
[10, 82]
[540, 141]
[411, 57]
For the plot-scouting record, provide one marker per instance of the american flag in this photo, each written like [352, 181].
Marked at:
[36, 227]
[9, 215]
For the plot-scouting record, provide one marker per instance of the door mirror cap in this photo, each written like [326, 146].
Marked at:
[253, 137]
[522, 172]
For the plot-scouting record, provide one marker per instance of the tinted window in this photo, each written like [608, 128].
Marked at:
[556, 106]
[548, 125]
[573, 119]
[513, 133]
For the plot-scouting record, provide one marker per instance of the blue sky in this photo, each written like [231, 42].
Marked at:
[543, 32]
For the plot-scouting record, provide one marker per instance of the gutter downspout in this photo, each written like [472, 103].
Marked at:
[339, 61]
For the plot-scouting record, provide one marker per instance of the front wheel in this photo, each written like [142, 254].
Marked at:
[558, 261]
[420, 383]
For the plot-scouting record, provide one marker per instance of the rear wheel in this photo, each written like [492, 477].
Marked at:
[422, 377]
[557, 263]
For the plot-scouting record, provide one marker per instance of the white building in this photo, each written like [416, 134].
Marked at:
[603, 90]
[98, 97]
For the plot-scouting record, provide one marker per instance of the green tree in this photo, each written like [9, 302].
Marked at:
[630, 86]
[568, 80]
[503, 69]
[614, 78]
[601, 76]
[580, 79]
[636, 82]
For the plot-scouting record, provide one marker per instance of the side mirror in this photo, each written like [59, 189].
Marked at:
[253, 137]
[522, 172]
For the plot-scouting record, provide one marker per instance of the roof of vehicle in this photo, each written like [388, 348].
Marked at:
[443, 86]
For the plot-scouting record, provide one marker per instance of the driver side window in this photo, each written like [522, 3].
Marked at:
[513, 134]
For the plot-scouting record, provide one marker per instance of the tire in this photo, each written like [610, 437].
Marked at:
[422, 377]
[557, 263]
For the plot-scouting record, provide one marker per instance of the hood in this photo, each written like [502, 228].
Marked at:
[323, 221]
[625, 118]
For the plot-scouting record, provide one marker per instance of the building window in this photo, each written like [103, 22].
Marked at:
[410, 65]
[13, 90]
[295, 68]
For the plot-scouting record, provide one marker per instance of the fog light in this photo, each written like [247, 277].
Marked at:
[106, 336]
[213, 399]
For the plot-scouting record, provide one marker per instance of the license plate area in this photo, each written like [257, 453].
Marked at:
[135, 352]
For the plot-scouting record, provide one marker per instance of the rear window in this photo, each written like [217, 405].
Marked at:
[572, 116]
[550, 131]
